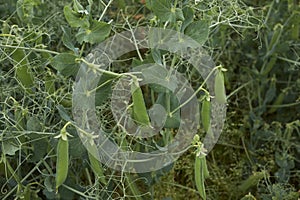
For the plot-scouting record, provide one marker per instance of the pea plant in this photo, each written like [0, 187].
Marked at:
[45, 45]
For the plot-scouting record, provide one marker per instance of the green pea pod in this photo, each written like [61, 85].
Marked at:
[201, 173]
[96, 167]
[269, 66]
[220, 88]
[276, 36]
[62, 163]
[139, 108]
[205, 169]
[251, 181]
[278, 101]
[205, 114]
[22, 70]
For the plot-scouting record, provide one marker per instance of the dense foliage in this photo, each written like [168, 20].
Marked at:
[257, 43]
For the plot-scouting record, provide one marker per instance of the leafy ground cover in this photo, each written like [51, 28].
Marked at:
[43, 43]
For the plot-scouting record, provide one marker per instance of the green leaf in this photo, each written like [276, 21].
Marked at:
[198, 30]
[67, 38]
[151, 178]
[188, 14]
[40, 148]
[38, 142]
[164, 10]
[179, 14]
[78, 7]
[33, 124]
[23, 70]
[97, 33]
[170, 102]
[77, 149]
[49, 183]
[65, 63]
[9, 148]
[25, 9]
[103, 92]
[75, 19]
[63, 113]
[158, 74]
[156, 55]
[157, 115]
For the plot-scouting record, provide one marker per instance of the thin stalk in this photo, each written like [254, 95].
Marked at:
[195, 93]
[29, 48]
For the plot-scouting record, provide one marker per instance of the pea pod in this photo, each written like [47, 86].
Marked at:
[201, 172]
[251, 181]
[220, 88]
[139, 108]
[276, 36]
[269, 66]
[62, 162]
[205, 114]
[95, 164]
[278, 101]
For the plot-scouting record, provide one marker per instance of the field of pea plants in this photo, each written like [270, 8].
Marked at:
[150, 99]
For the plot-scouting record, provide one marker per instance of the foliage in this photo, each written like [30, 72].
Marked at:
[43, 43]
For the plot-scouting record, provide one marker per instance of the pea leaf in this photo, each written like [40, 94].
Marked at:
[97, 32]
[169, 98]
[9, 148]
[103, 92]
[23, 71]
[40, 147]
[157, 115]
[158, 74]
[38, 142]
[76, 148]
[163, 10]
[67, 38]
[188, 14]
[198, 30]
[49, 184]
[78, 7]
[63, 113]
[65, 63]
[33, 124]
[156, 55]
[179, 14]
[75, 19]
[25, 9]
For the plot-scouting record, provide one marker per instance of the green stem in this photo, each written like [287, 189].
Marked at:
[97, 68]
[195, 93]
[29, 48]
